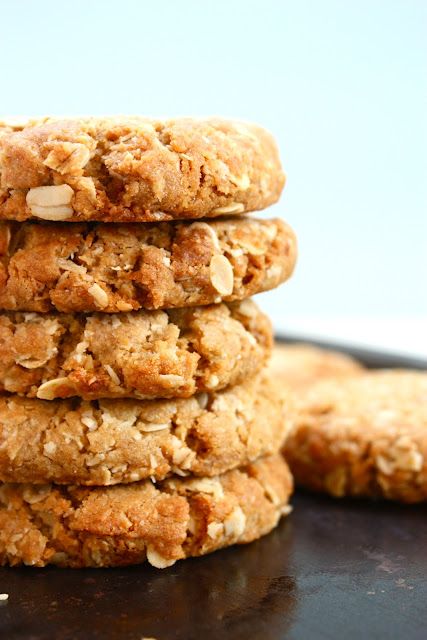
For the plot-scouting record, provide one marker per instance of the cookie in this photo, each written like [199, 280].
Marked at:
[135, 169]
[144, 354]
[118, 441]
[363, 436]
[13, 124]
[127, 524]
[118, 267]
[300, 365]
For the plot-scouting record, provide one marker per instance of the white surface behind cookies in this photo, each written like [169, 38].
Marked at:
[342, 85]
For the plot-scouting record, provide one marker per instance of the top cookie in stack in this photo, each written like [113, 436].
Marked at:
[137, 170]
[130, 352]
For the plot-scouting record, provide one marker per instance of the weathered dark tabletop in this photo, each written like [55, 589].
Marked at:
[333, 569]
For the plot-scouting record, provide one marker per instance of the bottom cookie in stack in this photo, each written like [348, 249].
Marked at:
[225, 442]
[71, 526]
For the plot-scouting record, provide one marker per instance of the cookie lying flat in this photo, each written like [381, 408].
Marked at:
[112, 267]
[301, 365]
[122, 525]
[137, 169]
[145, 354]
[363, 436]
[110, 441]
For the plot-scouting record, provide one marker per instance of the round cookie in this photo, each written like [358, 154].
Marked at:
[118, 267]
[135, 169]
[300, 365]
[144, 354]
[119, 441]
[128, 524]
[363, 436]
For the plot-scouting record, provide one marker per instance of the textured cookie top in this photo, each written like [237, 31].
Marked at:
[144, 354]
[384, 400]
[365, 435]
[116, 267]
[110, 441]
[161, 523]
[301, 365]
[136, 169]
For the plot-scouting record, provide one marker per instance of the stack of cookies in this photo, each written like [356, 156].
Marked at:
[137, 420]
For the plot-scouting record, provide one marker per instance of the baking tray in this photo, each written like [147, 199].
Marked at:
[332, 569]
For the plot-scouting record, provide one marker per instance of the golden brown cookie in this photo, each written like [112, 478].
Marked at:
[124, 169]
[119, 267]
[144, 354]
[127, 524]
[300, 365]
[13, 124]
[110, 441]
[363, 436]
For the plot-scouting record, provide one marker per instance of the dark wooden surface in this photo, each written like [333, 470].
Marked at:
[333, 569]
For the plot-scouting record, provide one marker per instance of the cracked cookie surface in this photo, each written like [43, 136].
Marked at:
[136, 169]
[124, 267]
[143, 354]
[119, 441]
[115, 526]
[363, 436]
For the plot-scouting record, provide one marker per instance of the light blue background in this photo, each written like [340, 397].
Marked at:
[342, 84]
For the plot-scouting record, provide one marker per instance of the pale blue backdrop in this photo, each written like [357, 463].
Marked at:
[342, 84]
